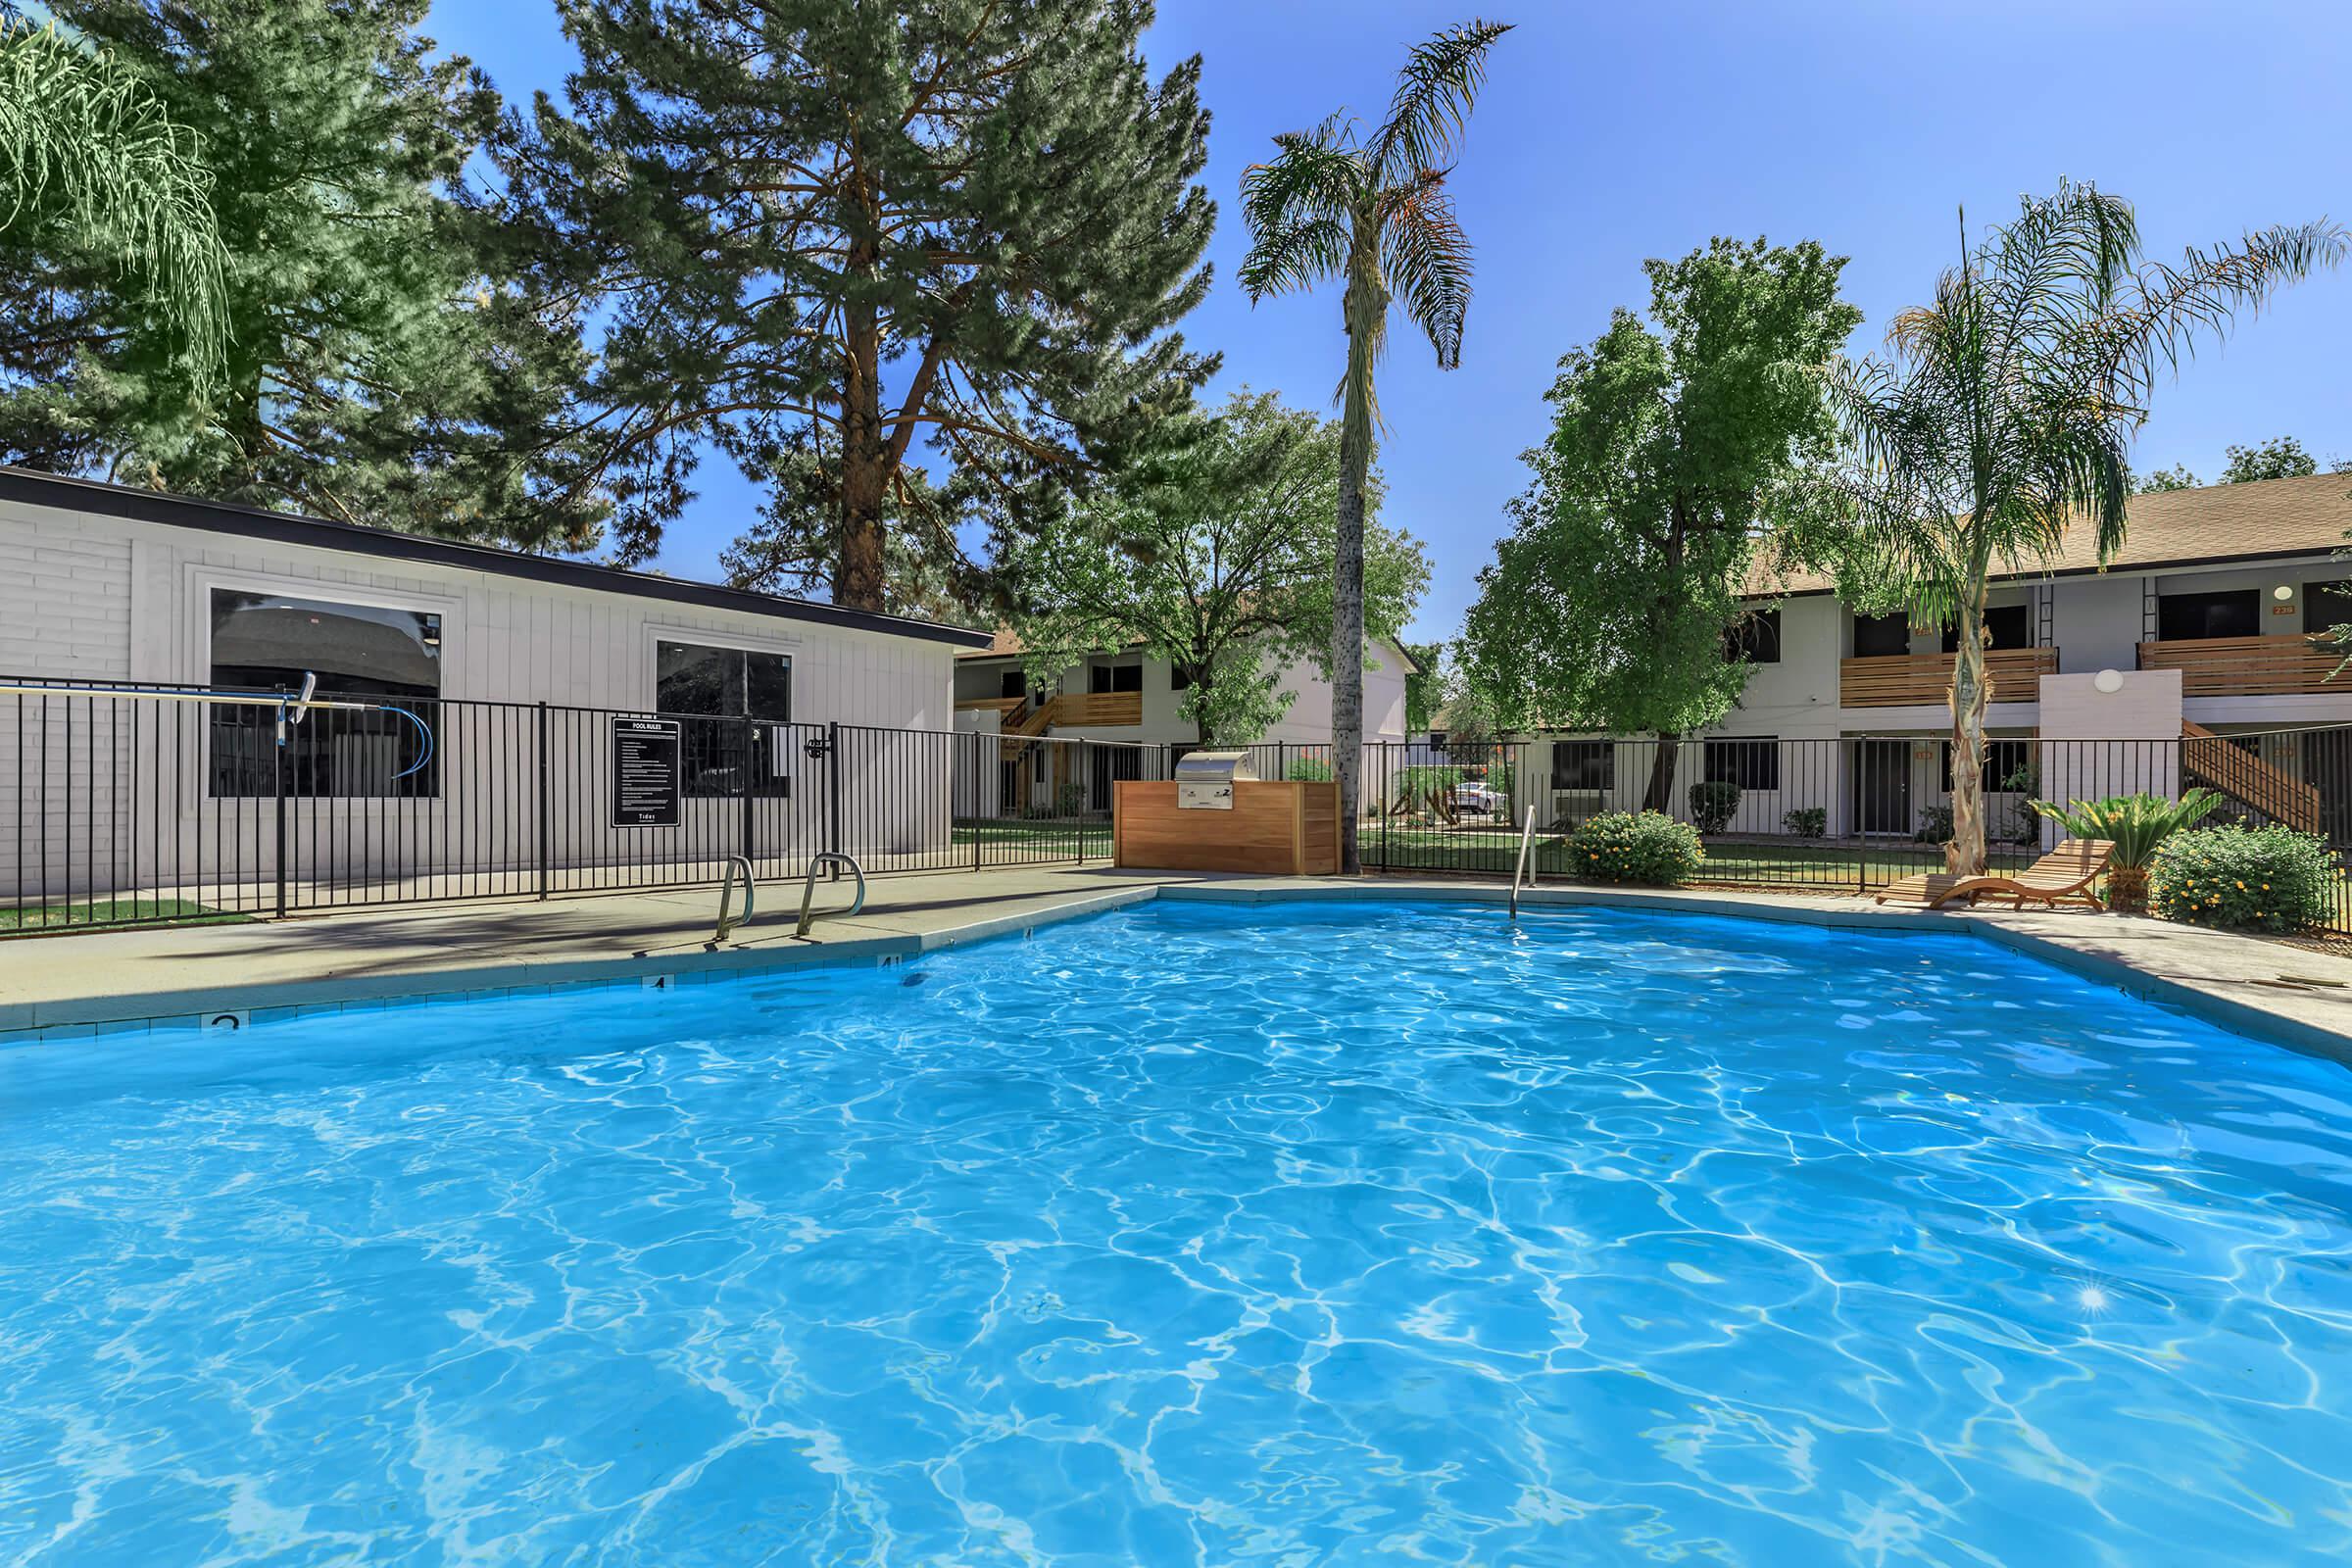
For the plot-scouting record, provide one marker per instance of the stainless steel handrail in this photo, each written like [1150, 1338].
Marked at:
[726, 890]
[808, 887]
[1527, 836]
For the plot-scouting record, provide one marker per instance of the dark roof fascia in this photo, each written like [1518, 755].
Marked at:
[93, 497]
[2243, 558]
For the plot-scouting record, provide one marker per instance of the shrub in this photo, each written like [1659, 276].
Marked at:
[1413, 784]
[1309, 771]
[1645, 847]
[1934, 825]
[1712, 803]
[2245, 879]
[2138, 825]
[1807, 821]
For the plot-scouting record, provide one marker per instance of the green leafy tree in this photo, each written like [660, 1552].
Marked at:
[2175, 478]
[818, 231]
[1674, 464]
[2282, 458]
[1372, 209]
[93, 168]
[2003, 414]
[1214, 556]
[378, 364]
[1421, 685]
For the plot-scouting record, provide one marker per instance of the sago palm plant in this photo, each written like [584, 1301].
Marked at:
[2004, 411]
[2136, 824]
[1375, 211]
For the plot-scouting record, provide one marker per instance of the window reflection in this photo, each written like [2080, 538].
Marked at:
[269, 642]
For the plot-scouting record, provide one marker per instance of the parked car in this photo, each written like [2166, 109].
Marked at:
[1476, 798]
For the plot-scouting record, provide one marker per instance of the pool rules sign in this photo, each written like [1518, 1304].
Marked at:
[645, 772]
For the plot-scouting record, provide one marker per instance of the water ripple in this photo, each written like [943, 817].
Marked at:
[1195, 1234]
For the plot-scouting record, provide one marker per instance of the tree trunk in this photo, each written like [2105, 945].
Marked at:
[1367, 300]
[857, 576]
[1972, 690]
[1660, 795]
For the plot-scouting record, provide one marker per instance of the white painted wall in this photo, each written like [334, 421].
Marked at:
[93, 597]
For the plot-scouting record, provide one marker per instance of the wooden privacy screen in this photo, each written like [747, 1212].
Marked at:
[1274, 829]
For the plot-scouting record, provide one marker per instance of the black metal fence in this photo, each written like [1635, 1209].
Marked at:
[120, 810]
[136, 809]
[1842, 813]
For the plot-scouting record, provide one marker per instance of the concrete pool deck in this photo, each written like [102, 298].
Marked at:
[176, 976]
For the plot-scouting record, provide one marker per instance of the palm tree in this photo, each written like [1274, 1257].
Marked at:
[92, 165]
[1376, 212]
[2004, 411]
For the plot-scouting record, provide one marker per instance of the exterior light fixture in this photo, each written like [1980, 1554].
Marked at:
[2283, 592]
[2109, 681]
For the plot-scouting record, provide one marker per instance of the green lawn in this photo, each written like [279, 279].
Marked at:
[112, 911]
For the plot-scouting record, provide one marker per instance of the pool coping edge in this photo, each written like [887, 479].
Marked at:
[185, 1010]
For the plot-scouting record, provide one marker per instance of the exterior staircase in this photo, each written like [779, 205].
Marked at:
[2241, 776]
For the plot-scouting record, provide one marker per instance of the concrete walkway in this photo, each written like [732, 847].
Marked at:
[183, 975]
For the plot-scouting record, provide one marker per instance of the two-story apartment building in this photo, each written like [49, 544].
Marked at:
[2195, 640]
[1124, 696]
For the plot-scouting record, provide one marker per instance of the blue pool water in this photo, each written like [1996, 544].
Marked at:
[1195, 1234]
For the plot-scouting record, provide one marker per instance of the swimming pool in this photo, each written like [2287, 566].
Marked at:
[1196, 1233]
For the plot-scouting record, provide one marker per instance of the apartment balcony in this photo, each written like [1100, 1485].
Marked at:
[1091, 709]
[1099, 710]
[2248, 666]
[1904, 680]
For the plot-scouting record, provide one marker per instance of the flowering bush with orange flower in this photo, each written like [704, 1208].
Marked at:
[2244, 878]
[1646, 847]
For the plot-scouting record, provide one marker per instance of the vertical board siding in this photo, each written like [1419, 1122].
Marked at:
[67, 595]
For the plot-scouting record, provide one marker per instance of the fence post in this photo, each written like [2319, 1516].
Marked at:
[980, 780]
[749, 834]
[546, 826]
[277, 782]
[833, 794]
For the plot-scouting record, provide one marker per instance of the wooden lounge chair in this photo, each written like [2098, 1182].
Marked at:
[2062, 876]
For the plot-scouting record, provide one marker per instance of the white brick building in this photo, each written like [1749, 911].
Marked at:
[2203, 621]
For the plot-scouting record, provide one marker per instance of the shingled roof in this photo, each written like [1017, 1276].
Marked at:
[2260, 519]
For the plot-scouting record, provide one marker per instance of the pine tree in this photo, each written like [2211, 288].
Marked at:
[378, 369]
[819, 229]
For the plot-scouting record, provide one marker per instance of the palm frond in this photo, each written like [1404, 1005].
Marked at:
[1295, 258]
[1426, 257]
[2161, 309]
[87, 152]
[1434, 92]
[1300, 207]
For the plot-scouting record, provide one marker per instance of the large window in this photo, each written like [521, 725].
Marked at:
[1128, 677]
[2326, 605]
[732, 698]
[1584, 766]
[2003, 761]
[1754, 638]
[1881, 636]
[269, 642]
[1753, 764]
[2192, 618]
[2011, 626]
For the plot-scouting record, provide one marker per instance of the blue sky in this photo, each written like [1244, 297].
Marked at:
[1610, 132]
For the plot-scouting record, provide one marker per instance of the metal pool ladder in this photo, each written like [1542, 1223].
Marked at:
[1527, 835]
[726, 891]
[808, 887]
